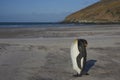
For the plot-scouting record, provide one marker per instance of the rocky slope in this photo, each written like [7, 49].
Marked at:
[104, 11]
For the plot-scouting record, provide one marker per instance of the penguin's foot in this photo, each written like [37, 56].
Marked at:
[85, 73]
[77, 75]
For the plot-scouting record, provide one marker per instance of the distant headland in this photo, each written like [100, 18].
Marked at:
[104, 11]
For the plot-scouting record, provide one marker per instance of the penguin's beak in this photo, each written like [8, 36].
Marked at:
[86, 45]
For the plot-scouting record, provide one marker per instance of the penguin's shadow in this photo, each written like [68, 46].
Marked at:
[89, 64]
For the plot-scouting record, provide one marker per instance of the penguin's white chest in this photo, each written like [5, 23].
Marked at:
[74, 53]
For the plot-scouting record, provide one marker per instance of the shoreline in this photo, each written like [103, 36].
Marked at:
[49, 32]
[49, 24]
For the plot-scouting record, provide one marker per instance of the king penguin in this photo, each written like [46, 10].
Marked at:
[79, 56]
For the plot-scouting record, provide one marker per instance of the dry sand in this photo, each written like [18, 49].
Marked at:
[44, 53]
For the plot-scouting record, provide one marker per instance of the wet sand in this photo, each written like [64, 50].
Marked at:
[44, 53]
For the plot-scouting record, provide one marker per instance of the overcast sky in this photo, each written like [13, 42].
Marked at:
[39, 10]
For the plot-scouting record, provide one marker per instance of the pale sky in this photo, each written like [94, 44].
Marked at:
[39, 10]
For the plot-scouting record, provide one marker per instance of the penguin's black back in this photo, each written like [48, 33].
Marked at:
[82, 50]
[81, 47]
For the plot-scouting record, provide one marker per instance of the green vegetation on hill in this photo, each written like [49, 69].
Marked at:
[104, 11]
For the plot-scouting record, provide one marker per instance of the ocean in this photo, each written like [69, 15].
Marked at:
[35, 24]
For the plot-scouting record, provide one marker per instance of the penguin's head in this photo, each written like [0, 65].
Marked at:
[84, 42]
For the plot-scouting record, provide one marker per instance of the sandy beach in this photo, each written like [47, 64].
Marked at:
[44, 53]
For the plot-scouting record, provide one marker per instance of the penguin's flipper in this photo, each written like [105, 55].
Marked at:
[78, 59]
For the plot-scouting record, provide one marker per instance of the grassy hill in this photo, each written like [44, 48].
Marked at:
[104, 11]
